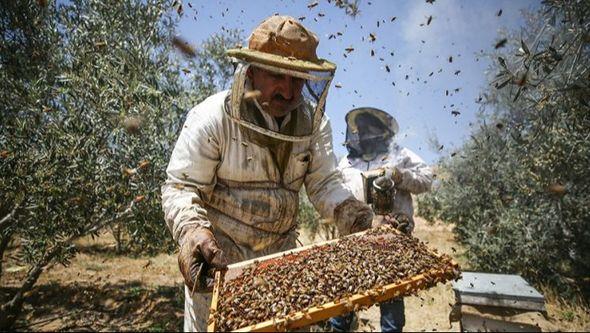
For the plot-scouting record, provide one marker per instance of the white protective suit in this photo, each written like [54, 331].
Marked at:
[244, 187]
[416, 177]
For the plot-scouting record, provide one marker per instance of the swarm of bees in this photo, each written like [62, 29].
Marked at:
[323, 274]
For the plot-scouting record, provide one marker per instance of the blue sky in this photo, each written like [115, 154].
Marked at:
[458, 29]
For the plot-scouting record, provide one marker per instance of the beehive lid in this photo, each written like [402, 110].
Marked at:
[510, 291]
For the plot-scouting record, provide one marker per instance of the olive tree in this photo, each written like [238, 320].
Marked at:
[93, 98]
[518, 190]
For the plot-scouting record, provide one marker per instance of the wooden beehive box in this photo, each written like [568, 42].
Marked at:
[314, 314]
[499, 303]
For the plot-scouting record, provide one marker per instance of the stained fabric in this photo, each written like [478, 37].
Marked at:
[244, 185]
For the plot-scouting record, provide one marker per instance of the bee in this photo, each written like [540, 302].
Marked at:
[184, 47]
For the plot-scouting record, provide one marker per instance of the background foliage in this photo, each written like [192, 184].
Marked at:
[310, 221]
[518, 190]
[93, 99]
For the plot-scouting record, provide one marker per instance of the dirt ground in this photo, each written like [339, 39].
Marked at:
[102, 291]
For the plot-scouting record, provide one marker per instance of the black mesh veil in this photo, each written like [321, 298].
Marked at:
[369, 131]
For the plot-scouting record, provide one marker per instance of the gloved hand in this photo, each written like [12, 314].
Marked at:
[199, 252]
[399, 221]
[396, 176]
[353, 216]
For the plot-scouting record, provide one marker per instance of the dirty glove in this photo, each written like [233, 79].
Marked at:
[352, 216]
[199, 253]
[396, 175]
[399, 221]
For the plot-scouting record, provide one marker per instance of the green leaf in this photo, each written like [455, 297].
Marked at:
[503, 84]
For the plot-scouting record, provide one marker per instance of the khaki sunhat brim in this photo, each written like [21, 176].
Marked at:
[249, 55]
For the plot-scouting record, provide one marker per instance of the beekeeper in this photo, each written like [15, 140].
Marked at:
[242, 156]
[370, 141]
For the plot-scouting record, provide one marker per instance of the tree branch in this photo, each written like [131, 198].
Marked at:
[571, 71]
[7, 220]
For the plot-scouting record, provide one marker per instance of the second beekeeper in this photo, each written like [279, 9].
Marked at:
[371, 145]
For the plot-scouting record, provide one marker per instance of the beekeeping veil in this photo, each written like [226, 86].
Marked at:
[281, 45]
[369, 132]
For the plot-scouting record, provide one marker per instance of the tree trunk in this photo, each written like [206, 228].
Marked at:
[10, 310]
[5, 223]
[118, 235]
[3, 246]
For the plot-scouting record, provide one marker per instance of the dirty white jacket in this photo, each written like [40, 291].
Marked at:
[224, 177]
[416, 176]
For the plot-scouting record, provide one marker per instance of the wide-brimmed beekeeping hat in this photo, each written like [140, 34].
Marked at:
[282, 41]
[360, 117]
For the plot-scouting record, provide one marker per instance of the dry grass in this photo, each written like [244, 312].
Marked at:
[102, 291]
[568, 315]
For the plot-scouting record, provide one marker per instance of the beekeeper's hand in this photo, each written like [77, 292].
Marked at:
[199, 252]
[353, 216]
[396, 176]
[399, 221]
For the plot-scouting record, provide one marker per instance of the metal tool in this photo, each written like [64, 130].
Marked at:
[379, 190]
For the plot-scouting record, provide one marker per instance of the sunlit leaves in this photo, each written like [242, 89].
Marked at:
[89, 122]
[212, 68]
[351, 7]
[518, 189]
